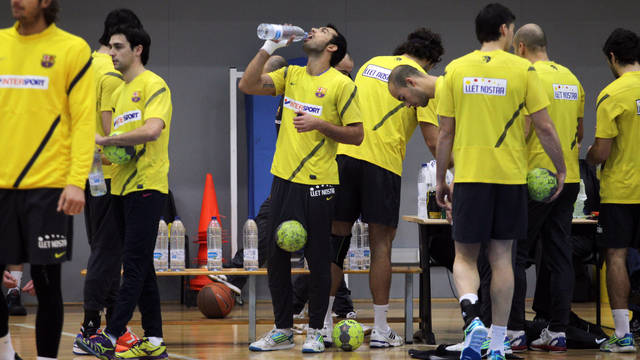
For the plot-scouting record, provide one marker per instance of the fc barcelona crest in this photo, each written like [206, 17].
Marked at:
[321, 92]
[136, 97]
[48, 61]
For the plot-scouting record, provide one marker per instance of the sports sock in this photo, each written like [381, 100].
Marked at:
[155, 341]
[45, 358]
[469, 307]
[621, 321]
[497, 338]
[328, 321]
[6, 348]
[91, 322]
[49, 318]
[380, 317]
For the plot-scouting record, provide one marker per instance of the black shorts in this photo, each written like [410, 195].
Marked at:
[311, 205]
[482, 212]
[368, 190]
[620, 224]
[32, 230]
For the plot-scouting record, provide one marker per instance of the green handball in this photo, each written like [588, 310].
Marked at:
[119, 154]
[348, 335]
[291, 236]
[542, 184]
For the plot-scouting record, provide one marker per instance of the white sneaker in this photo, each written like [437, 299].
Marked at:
[276, 339]
[327, 335]
[224, 280]
[382, 339]
[314, 342]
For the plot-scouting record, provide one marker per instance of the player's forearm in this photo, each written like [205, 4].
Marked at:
[150, 131]
[82, 148]
[551, 143]
[444, 147]
[251, 82]
[430, 136]
[106, 121]
[352, 134]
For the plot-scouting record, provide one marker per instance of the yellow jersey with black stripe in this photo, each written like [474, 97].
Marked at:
[486, 92]
[107, 81]
[47, 109]
[388, 124]
[310, 157]
[566, 97]
[618, 118]
[432, 106]
[145, 97]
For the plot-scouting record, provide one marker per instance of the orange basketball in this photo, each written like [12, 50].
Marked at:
[215, 300]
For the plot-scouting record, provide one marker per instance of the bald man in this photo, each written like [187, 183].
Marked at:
[551, 222]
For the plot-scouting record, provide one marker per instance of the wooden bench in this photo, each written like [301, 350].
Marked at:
[409, 271]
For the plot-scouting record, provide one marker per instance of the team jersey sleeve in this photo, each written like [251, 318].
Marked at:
[82, 104]
[536, 99]
[446, 104]
[348, 105]
[158, 103]
[581, 102]
[109, 84]
[278, 79]
[607, 111]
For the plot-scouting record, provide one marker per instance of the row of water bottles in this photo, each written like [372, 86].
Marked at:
[214, 245]
[169, 251]
[359, 253]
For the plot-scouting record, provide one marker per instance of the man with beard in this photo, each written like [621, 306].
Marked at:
[320, 109]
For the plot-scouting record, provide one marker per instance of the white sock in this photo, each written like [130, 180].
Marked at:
[6, 348]
[45, 358]
[380, 317]
[18, 276]
[328, 321]
[473, 298]
[155, 341]
[497, 338]
[287, 331]
[621, 321]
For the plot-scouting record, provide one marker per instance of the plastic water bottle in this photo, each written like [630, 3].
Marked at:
[366, 250]
[160, 254]
[97, 185]
[214, 245]
[578, 208]
[250, 240]
[352, 253]
[177, 245]
[280, 32]
[423, 187]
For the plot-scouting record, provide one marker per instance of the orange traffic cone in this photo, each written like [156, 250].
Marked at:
[208, 209]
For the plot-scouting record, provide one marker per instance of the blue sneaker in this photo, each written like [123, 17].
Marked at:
[99, 345]
[623, 345]
[518, 340]
[474, 335]
[495, 355]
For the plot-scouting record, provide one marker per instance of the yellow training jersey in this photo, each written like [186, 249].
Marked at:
[309, 157]
[618, 118]
[47, 102]
[432, 106]
[145, 97]
[107, 81]
[388, 124]
[566, 97]
[486, 92]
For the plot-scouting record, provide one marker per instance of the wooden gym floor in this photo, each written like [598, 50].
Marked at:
[189, 335]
